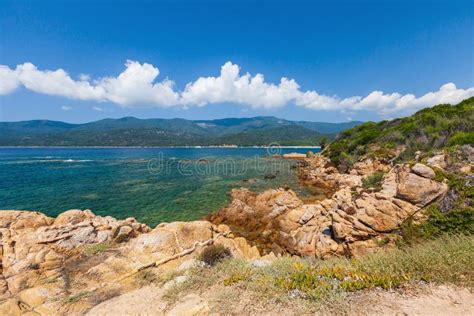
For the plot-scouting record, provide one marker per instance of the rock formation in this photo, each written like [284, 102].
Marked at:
[352, 220]
[86, 259]
[43, 258]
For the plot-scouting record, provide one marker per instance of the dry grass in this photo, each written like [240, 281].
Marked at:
[324, 285]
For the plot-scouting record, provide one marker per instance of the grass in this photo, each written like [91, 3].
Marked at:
[95, 249]
[448, 259]
[76, 297]
[145, 277]
[214, 253]
[373, 181]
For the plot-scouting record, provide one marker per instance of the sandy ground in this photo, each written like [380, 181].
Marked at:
[440, 300]
[433, 300]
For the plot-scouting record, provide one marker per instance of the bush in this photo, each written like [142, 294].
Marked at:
[373, 181]
[428, 129]
[214, 253]
[456, 221]
[448, 259]
[145, 277]
[95, 249]
[461, 138]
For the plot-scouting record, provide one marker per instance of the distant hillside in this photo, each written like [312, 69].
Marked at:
[427, 130]
[130, 131]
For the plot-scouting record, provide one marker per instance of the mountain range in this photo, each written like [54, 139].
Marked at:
[131, 131]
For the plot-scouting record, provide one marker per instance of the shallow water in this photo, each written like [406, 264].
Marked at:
[150, 184]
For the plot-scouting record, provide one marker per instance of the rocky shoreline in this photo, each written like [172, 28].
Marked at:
[43, 258]
[351, 221]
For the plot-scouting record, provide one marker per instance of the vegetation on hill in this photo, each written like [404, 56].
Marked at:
[427, 130]
[444, 128]
[130, 131]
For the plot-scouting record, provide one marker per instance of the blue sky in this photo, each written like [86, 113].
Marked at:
[333, 50]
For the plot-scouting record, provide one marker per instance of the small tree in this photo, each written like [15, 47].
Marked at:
[322, 142]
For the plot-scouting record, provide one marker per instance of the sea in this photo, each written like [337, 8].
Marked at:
[153, 185]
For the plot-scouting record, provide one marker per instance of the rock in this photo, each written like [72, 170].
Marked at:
[249, 181]
[418, 190]
[72, 217]
[423, 171]
[36, 246]
[178, 280]
[123, 233]
[269, 176]
[293, 294]
[438, 161]
[10, 307]
[466, 169]
[35, 296]
[144, 301]
[417, 155]
[296, 156]
[191, 304]
[260, 263]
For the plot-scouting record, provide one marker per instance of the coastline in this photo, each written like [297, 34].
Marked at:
[194, 147]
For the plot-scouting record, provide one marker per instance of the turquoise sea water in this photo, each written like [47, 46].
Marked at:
[151, 184]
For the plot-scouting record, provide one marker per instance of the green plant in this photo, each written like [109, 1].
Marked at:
[145, 277]
[430, 129]
[214, 253]
[237, 277]
[95, 249]
[461, 138]
[76, 297]
[374, 180]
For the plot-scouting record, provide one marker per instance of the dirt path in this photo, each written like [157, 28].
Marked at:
[440, 300]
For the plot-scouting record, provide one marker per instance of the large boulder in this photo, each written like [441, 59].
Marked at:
[34, 246]
[418, 190]
[423, 171]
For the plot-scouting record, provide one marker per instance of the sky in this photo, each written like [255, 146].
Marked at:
[333, 61]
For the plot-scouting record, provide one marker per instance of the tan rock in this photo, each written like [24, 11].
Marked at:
[72, 217]
[423, 171]
[10, 307]
[418, 190]
[438, 161]
[35, 296]
[190, 305]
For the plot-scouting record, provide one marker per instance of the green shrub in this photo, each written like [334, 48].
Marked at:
[448, 259]
[429, 129]
[95, 249]
[214, 253]
[456, 221]
[461, 138]
[145, 277]
[373, 181]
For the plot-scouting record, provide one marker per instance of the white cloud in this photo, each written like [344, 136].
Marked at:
[57, 83]
[385, 104]
[232, 88]
[137, 85]
[66, 108]
[8, 80]
[98, 109]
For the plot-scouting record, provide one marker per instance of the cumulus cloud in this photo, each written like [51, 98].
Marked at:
[8, 80]
[231, 87]
[137, 85]
[66, 108]
[98, 109]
